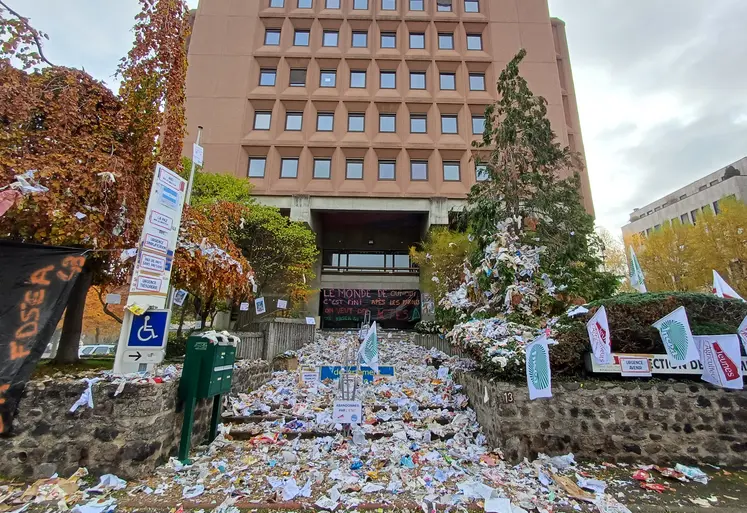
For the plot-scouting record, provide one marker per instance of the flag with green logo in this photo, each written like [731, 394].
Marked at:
[675, 333]
[539, 379]
[369, 350]
[636, 273]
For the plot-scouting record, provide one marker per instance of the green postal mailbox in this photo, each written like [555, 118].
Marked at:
[208, 372]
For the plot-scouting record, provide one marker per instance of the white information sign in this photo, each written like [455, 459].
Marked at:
[282, 304]
[142, 356]
[310, 320]
[244, 307]
[152, 272]
[197, 154]
[635, 366]
[309, 375]
[347, 412]
[113, 299]
[179, 297]
[659, 365]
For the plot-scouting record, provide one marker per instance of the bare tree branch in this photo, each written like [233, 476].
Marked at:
[34, 33]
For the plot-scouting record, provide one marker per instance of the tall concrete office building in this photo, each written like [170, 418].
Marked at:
[358, 116]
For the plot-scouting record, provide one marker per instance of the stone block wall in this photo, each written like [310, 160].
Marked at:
[631, 421]
[128, 435]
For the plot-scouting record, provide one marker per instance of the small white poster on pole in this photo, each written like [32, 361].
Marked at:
[259, 305]
[244, 307]
[179, 297]
[282, 304]
[197, 154]
[113, 299]
[347, 412]
[310, 320]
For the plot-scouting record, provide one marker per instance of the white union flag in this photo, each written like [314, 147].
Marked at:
[599, 336]
[675, 333]
[742, 330]
[539, 378]
[721, 359]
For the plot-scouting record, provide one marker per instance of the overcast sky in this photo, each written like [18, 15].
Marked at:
[661, 84]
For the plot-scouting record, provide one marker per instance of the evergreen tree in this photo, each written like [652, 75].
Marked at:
[533, 181]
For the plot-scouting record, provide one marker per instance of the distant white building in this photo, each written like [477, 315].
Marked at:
[686, 203]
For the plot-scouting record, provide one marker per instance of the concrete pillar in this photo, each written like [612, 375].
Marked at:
[312, 307]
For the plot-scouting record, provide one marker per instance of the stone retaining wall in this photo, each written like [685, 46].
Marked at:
[631, 421]
[128, 435]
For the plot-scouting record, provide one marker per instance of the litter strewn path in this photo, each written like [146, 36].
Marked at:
[419, 447]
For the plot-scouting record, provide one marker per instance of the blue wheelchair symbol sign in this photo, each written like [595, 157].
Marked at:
[148, 329]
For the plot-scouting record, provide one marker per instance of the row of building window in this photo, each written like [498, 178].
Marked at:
[325, 122]
[686, 218]
[387, 79]
[354, 169]
[386, 5]
[387, 40]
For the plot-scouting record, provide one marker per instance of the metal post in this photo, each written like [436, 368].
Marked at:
[214, 419]
[187, 424]
[188, 197]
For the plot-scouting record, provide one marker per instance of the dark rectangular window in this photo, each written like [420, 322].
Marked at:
[418, 170]
[257, 167]
[388, 40]
[262, 120]
[685, 219]
[304, 4]
[358, 79]
[328, 78]
[417, 5]
[476, 81]
[478, 125]
[443, 5]
[417, 80]
[418, 123]
[298, 77]
[360, 39]
[277, 3]
[354, 170]
[417, 41]
[267, 77]
[449, 125]
[325, 122]
[446, 41]
[356, 122]
[448, 81]
[293, 121]
[388, 5]
[694, 215]
[332, 4]
[322, 168]
[387, 169]
[289, 168]
[388, 80]
[272, 37]
[387, 122]
[471, 6]
[451, 171]
[716, 207]
[301, 38]
[474, 42]
[330, 38]
[360, 4]
[481, 172]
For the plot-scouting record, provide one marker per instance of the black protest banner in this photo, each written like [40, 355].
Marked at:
[345, 308]
[36, 281]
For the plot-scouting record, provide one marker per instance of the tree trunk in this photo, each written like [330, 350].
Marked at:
[98, 334]
[67, 352]
[181, 321]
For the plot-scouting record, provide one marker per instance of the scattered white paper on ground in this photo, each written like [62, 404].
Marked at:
[498, 505]
[190, 492]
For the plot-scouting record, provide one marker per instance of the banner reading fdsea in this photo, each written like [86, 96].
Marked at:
[37, 281]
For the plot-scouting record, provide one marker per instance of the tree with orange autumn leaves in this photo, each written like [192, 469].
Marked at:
[95, 151]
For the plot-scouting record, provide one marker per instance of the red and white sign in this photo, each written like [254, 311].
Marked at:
[599, 336]
[720, 356]
[722, 289]
[161, 220]
[635, 366]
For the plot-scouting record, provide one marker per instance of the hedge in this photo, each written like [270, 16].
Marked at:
[630, 318]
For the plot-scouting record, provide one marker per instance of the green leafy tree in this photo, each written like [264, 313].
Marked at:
[534, 181]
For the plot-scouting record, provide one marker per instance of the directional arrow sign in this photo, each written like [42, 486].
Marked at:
[144, 356]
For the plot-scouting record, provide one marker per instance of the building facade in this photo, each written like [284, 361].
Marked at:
[686, 203]
[358, 117]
